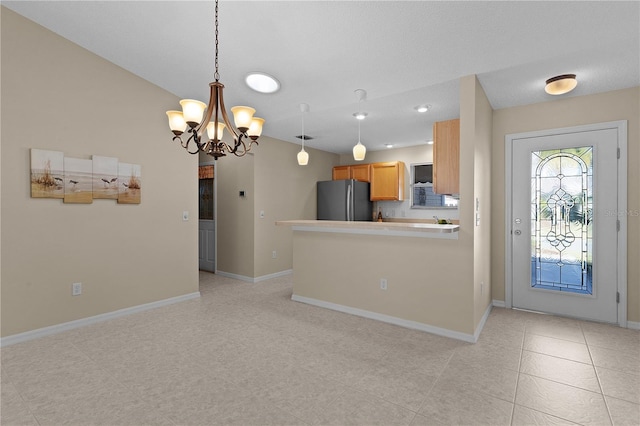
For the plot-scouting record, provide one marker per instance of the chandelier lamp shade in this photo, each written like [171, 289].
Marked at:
[197, 117]
[359, 150]
[303, 156]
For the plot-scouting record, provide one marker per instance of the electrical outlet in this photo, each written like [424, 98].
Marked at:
[383, 283]
[76, 289]
[274, 254]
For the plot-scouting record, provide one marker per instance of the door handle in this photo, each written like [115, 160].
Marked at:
[517, 232]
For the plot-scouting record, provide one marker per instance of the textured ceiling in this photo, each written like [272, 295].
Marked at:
[402, 53]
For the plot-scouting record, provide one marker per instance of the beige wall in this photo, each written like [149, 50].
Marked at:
[425, 278]
[482, 119]
[603, 107]
[274, 183]
[58, 96]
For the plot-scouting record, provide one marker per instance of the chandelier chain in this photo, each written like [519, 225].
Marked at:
[216, 75]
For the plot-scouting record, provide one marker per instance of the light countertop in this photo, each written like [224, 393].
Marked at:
[408, 229]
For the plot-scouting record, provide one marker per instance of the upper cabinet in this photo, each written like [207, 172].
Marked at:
[341, 172]
[446, 157]
[387, 181]
[361, 172]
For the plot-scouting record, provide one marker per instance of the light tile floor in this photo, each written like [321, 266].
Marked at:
[245, 354]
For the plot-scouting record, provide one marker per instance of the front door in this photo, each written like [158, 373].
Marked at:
[563, 225]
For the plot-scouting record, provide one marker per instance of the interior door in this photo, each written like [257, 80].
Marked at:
[206, 220]
[564, 237]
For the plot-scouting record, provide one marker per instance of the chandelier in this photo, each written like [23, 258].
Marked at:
[247, 127]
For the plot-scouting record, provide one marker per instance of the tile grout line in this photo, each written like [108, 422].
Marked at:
[595, 370]
[515, 393]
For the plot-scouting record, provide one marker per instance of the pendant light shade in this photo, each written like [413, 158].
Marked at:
[303, 157]
[359, 151]
[561, 84]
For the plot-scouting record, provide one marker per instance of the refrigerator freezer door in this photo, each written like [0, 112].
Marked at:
[332, 200]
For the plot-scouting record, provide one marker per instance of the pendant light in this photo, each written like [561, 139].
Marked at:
[359, 150]
[303, 156]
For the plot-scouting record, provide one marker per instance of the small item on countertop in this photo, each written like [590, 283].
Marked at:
[379, 215]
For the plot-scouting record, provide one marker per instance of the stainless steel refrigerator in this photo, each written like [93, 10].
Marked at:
[344, 200]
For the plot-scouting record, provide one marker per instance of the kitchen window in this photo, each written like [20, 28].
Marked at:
[422, 195]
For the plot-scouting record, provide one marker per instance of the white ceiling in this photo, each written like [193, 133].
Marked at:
[403, 53]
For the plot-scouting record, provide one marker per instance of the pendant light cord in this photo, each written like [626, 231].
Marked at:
[216, 75]
[303, 130]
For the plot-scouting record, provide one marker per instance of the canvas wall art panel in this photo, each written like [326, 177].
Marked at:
[78, 180]
[105, 177]
[129, 183]
[47, 174]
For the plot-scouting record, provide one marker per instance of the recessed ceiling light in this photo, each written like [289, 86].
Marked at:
[360, 115]
[261, 82]
[429, 142]
[422, 108]
[561, 84]
[388, 145]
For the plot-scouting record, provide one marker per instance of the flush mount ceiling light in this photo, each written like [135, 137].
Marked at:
[193, 116]
[561, 84]
[429, 142]
[422, 108]
[359, 150]
[303, 156]
[262, 82]
[388, 145]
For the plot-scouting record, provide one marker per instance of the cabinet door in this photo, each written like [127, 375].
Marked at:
[341, 172]
[361, 172]
[387, 181]
[446, 157]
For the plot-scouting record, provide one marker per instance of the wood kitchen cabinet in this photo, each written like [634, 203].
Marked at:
[341, 172]
[446, 157]
[387, 181]
[361, 172]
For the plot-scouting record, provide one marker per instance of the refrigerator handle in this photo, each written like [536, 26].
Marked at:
[349, 202]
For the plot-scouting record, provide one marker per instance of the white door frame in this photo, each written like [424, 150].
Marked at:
[621, 208]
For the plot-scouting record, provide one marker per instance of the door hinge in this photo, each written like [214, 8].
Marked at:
[618, 153]
[617, 297]
[618, 225]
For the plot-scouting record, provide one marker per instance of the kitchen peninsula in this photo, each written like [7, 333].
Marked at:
[391, 271]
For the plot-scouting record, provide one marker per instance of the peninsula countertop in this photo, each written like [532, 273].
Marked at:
[402, 229]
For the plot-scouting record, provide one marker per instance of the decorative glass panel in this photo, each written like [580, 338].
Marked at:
[561, 218]
[206, 199]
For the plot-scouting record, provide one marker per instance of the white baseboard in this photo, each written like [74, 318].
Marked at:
[66, 326]
[256, 279]
[483, 320]
[633, 325]
[389, 319]
[498, 303]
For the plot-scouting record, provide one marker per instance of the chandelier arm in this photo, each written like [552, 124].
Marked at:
[213, 101]
[234, 133]
[194, 137]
